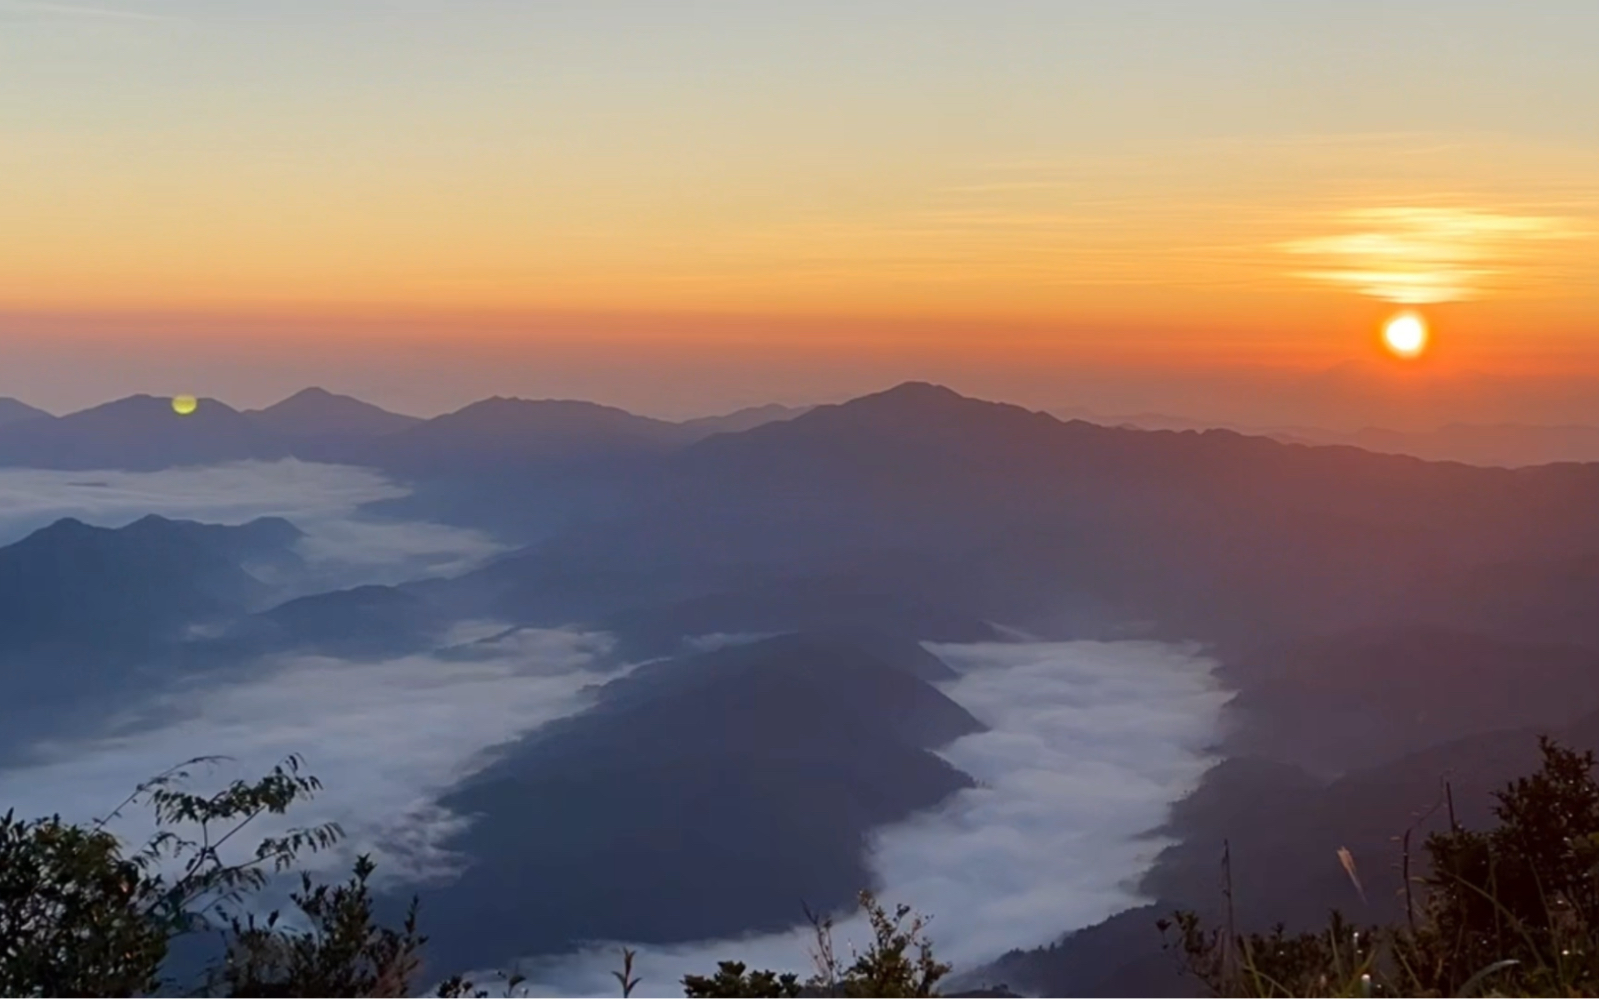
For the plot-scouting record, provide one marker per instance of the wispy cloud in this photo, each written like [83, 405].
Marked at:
[1425, 255]
[43, 8]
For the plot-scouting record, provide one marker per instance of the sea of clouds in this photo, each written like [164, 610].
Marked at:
[1087, 746]
[385, 738]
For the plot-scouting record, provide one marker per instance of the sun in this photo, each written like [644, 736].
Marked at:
[1405, 335]
[183, 405]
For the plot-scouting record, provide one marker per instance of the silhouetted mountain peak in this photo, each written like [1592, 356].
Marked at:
[503, 410]
[316, 412]
[255, 537]
[920, 404]
[65, 527]
[17, 411]
[500, 432]
[915, 393]
[72, 581]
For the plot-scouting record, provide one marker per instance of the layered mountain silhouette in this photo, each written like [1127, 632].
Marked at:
[90, 615]
[139, 433]
[1014, 515]
[1351, 701]
[72, 583]
[500, 431]
[358, 623]
[316, 412]
[743, 419]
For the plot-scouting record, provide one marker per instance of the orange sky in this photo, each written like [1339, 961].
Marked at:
[1008, 185]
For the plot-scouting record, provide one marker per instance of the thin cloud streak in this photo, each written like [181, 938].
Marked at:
[1427, 255]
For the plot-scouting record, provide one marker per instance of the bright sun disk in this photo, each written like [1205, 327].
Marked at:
[1405, 334]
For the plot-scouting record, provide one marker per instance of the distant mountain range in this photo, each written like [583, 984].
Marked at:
[578, 443]
[1505, 444]
[140, 433]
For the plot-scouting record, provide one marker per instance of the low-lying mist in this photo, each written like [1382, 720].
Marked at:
[385, 738]
[1089, 744]
[342, 546]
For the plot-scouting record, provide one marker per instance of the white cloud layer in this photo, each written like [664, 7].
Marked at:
[386, 739]
[1089, 744]
[342, 546]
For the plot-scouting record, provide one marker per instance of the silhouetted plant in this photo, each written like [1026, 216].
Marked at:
[76, 917]
[899, 961]
[341, 953]
[732, 980]
[1514, 909]
[79, 917]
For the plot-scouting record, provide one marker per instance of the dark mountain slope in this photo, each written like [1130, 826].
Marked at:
[16, 411]
[1004, 513]
[72, 583]
[713, 793]
[1336, 703]
[89, 614]
[1121, 956]
[365, 621]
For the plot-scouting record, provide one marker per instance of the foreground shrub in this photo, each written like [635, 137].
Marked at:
[1513, 910]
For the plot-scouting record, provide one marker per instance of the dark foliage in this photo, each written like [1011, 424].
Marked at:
[899, 961]
[1514, 908]
[731, 980]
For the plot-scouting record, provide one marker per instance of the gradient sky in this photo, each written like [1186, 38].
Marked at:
[683, 206]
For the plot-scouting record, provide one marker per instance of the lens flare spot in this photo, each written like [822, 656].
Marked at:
[183, 405]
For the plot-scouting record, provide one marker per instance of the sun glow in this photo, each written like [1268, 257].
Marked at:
[1405, 334]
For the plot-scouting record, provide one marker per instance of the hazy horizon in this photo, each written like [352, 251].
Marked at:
[1345, 398]
[1145, 206]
